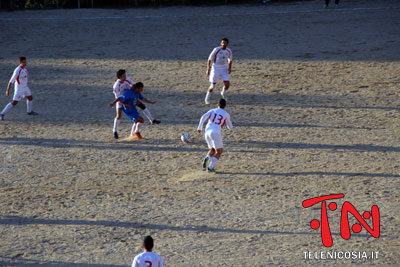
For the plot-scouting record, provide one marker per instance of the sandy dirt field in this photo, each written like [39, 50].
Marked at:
[316, 109]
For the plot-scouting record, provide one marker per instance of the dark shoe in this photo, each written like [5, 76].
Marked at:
[205, 162]
[212, 170]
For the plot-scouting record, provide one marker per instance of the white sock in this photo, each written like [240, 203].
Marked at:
[7, 108]
[29, 106]
[208, 96]
[116, 125]
[212, 163]
[138, 125]
[133, 129]
[223, 91]
[148, 115]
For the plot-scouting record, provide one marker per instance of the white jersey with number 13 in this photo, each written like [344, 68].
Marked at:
[217, 118]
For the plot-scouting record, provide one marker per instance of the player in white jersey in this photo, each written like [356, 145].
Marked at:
[217, 118]
[148, 258]
[21, 89]
[122, 85]
[219, 66]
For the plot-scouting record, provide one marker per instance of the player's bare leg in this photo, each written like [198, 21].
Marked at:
[29, 105]
[147, 113]
[226, 87]
[208, 95]
[136, 128]
[7, 108]
[116, 122]
[210, 154]
[214, 160]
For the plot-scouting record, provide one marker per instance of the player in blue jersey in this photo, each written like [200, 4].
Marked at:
[128, 101]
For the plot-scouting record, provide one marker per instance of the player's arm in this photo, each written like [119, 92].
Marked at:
[229, 123]
[12, 80]
[202, 120]
[119, 100]
[135, 262]
[229, 66]
[131, 83]
[209, 65]
[210, 60]
[161, 264]
[114, 102]
[142, 98]
[230, 63]
[8, 89]
[148, 101]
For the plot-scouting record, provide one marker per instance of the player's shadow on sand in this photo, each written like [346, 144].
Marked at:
[270, 99]
[170, 145]
[318, 173]
[240, 123]
[17, 261]
[311, 101]
[142, 145]
[283, 145]
[17, 220]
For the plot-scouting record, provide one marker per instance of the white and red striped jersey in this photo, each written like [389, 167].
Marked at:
[220, 57]
[217, 118]
[120, 88]
[148, 259]
[20, 77]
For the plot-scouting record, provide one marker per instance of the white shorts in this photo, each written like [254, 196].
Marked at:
[219, 73]
[118, 105]
[213, 139]
[21, 92]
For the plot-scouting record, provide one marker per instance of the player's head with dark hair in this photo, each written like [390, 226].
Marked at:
[148, 243]
[138, 88]
[222, 103]
[22, 61]
[139, 85]
[225, 39]
[224, 43]
[120, 73]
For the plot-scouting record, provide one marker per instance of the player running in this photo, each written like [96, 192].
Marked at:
[219, 66]
[148, 258]
[21, 89]
[129, 101]
[217, 118]
[122, 85]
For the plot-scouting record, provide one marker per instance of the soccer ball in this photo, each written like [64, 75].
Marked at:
[185, 137]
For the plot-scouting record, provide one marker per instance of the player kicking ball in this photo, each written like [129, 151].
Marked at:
[21, 89]
[217, 118]
[122, 85]
[129, 100]
[219, 66]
